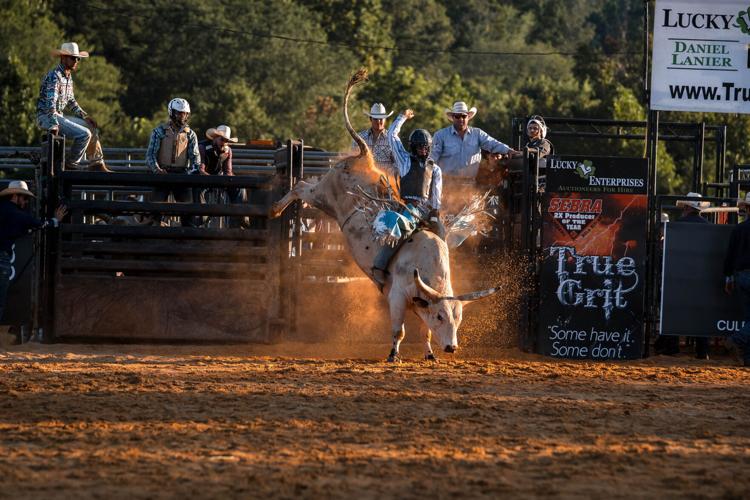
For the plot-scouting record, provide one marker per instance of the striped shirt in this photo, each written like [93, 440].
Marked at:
[152, 153]
[380, 147]
[56, 94]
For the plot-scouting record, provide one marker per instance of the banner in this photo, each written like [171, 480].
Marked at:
[693, 301]
[701, 57]
[594, 216]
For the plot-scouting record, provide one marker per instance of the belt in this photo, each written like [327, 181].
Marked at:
[176, 170]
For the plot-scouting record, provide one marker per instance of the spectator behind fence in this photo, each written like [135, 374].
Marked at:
[56, 94]
[14, 223]
[216, 159]
[536, 130]
[458, 147]
[737, 277]
[376, 137]
[670, 344]
[173, 149]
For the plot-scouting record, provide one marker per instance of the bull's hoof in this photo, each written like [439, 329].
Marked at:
[394, 357]
[430, 357]
[273, 212]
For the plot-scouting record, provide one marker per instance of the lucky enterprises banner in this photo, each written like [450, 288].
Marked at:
[594, 254]
[701, 59]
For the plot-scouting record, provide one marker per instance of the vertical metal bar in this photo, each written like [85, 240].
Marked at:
[698, 157]
[721, 152]
[646, 49]
[652, 233]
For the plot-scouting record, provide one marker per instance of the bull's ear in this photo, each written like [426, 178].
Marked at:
[419, 302]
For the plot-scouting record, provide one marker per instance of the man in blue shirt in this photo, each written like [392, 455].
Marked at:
[14, 223]
[458, 147]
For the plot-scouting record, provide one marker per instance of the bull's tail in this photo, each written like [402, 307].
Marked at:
[357, 78]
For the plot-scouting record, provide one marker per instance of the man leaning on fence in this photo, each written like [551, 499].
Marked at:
[216, 159]
[15, 222]
[173, 149]
[56, 94]
[737, 277]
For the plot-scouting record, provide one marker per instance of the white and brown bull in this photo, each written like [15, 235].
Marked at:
[419, 274]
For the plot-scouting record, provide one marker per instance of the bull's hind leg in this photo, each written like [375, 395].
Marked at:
[427, 335]
[397, 328]
[301, 191]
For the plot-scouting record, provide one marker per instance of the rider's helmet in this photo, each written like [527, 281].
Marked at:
[418, 139]
[178, 105]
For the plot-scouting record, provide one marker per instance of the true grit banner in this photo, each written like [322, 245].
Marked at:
[701, 56]
[594, 215]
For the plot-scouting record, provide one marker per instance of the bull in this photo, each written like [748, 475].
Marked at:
[419, 274]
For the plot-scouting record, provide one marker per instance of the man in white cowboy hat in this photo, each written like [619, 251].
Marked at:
[737, 276]
[691, 212]
[216, 159]
[56, 94]
[458, 147]
[173, 149]
[377, 138]
[15, 222]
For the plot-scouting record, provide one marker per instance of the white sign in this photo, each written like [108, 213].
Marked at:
[701, 56]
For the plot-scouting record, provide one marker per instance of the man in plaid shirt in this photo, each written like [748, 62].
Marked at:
[56, 94]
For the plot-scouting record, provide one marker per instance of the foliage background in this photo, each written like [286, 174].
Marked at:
[277, 68]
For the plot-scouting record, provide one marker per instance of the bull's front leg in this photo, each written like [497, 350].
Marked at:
[397, 309]
[427, 335]
[301, 191]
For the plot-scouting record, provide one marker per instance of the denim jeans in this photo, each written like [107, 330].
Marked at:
[4, 280]
[742, 337]
[85, 140]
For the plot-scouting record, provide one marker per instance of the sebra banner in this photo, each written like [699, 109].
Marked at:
[701, 56]
[594, 255]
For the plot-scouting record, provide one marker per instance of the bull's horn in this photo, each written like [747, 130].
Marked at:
[357, 78]
[468, 297]
[429, 292]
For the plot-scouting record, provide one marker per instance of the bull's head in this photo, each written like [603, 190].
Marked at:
[443, 314]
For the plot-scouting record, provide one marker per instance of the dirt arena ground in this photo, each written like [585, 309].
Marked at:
[294, 421]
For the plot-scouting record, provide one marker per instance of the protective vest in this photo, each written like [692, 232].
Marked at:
[173, 148]
[415, 184]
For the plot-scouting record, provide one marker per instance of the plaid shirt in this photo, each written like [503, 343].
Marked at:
[55, 94]
[152, 153]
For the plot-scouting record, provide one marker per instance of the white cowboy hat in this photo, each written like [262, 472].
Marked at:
[69, 49]
[695, 204]
[222, 131]
[377, 111]
[17, 187]
[460, 108]
[745, 201]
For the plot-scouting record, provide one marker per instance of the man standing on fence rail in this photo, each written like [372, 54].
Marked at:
[216, 159]
[14, 223]
[55, 94]
[737, 275]
[377, 138]
[173, 149]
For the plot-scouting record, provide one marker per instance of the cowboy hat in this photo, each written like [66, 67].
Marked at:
[69, 49]
[745, 201]
[222, 131]
[460, 108]
[17, 187]
[377, 111]
[694, 204]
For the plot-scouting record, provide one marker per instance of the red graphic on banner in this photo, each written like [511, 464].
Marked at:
[575, 216]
